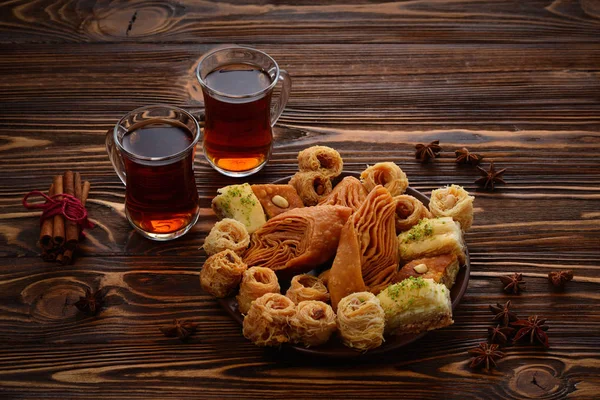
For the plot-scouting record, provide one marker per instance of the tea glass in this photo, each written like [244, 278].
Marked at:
[238, 135]
[161, 198]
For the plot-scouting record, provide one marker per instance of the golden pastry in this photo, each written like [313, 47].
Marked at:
[239, 202]
[222, 273]
[345, 275]
[256, 282]
[416, 305]
[442, 269]
[453, 201]
[387, 174]
[227, 234]
[348, 193]
[368, 253]
[324, 276]
[313, 324]
[298, 240]
[432, 237]
[277, 199]
[311, 186]
[307, 287]
[409, 211]
[361, 321]
[267, 321]
[322, 159]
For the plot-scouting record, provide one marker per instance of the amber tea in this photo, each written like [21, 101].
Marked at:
[160, 198]
[237, 136]
[237, 84]
[152, 150]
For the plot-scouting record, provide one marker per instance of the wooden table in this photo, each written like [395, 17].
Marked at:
[517, 81]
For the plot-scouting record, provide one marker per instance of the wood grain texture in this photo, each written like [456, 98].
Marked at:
[363, 21]
[131, 351]
[516, 81]
[551, 87]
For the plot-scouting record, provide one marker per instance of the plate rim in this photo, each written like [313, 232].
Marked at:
[348, 353]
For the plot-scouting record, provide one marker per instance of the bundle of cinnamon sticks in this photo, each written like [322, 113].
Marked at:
[59, 238]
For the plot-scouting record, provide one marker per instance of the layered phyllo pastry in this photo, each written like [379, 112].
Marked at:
[442, 269]
[277, 199]
[415, 305]
[432, 237]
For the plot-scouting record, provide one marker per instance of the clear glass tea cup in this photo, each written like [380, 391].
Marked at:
[152, 150]
[237, 85]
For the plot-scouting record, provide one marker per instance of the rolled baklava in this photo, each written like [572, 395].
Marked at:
[409, 211]
[386, 174]
[455, 202]
[307, 287]
[323, 159]
[256, 282]
[227, 234]
[267, 321]
[313, 324]
[221, 273]
[311, 186]
[361, 321]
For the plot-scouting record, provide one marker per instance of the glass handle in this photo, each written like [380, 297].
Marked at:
[115, 157]
[286, 86]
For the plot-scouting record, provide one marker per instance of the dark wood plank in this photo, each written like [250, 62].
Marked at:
[176, 371]
[381, 87]
[363, 21]
[68, 352]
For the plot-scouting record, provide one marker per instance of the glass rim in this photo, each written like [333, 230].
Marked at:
[236, 96]
[177, 155]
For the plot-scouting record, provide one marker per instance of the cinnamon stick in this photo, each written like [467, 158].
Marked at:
[72, 229]
[48, 255]
[85, 192]
[58, 230]
[47, 227]
[78, 187]
[67, 257]
[59, 258]
[81, 193]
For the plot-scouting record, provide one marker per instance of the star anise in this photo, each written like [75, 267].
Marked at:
[490, 177]
[426, 151]
[513, 283]
[532, 327]
[485, 354]
[91, 303]
[500, 334]
[181, 328]
[464, 156]
[558, 279]
[503, 313]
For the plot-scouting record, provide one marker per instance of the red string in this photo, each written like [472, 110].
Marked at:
[60, 204]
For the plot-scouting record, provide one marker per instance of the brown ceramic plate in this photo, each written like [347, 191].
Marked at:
[334, 348]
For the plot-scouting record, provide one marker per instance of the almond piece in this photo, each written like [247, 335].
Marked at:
[280, 201]
[421, 268]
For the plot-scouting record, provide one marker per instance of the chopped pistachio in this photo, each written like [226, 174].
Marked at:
[422, 230]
